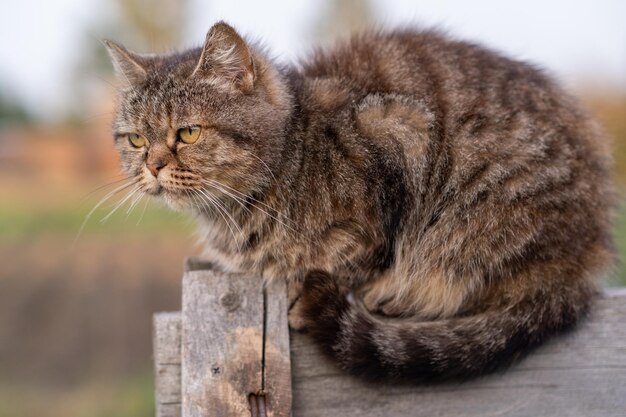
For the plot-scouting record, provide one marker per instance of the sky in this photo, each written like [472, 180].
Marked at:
[578, 41]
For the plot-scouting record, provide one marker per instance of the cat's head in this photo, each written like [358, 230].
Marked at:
[193, 125]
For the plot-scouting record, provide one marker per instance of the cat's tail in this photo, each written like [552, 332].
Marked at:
[404, 349]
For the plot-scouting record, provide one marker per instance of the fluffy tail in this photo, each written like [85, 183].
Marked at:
[401, 349]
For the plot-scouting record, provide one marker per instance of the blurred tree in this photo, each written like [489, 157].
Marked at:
[153, 25]
[142, 25]
[12, 111]
[340, 18]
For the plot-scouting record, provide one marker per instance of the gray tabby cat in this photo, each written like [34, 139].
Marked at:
[460, 193]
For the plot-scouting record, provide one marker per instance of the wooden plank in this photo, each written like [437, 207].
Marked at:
[166, 344]
[222, 343]
[579, 374]
[277, 376]
[274, 387]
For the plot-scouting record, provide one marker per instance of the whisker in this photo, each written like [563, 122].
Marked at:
[120, 203]
[101, 202]
[238, 200]
[134, 203]
[266, 167]
[221, 209]
[145, 205]
[255, 206]
[221, 205]
[246, 196]
[198, 204]
[117, 181]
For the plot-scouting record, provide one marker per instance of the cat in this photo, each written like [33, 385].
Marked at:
[436, 208]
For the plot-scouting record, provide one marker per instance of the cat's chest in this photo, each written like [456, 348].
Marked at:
[241, 248]
[282, 254]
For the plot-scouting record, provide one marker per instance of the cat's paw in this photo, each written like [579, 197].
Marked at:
[377, 304]
[296, 317]
[370, 300]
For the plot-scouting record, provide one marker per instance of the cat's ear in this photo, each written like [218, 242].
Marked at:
[226, 57]
[129, 66]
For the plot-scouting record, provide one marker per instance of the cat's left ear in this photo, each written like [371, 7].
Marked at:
[129, 66]
[226, 57]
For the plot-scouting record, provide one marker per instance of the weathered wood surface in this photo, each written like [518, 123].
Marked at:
[579, 374]
[231, 340]
[222, 343]
[167, 332]
[277, 381]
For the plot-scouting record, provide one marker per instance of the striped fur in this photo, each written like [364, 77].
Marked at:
[461, 198]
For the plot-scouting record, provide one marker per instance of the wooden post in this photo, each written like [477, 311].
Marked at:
[232, 348]
[580, 374]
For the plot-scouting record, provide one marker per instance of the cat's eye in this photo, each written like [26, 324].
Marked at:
[188, 135]
[136, 140]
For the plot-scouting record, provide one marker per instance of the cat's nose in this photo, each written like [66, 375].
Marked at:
[155, 165]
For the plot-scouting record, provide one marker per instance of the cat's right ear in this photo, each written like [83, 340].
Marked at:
[226, 59]
[129, 66]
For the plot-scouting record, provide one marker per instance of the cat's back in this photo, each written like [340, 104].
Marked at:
[503, 134]
[479, 98]
[450, 75]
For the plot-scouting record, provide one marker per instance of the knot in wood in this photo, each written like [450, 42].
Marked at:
[230, 301]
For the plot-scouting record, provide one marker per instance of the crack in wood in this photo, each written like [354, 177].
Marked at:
[258, 407]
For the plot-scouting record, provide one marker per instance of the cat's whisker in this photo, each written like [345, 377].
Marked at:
[143, 211]
[253, 205]
[221, 209]
[198, 205]
[266, 166]
[134, 203]
[222, 206]
[107, 185]
[189, 198]
[98, 204]
[121, 202]
[244, 198]
[241, 202]
[238, 200]
[195, 205]
[207, 204]
[243, 195]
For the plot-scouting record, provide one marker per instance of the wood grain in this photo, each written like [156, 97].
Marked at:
[579, 374]
[222, 343]
[167, 332]
[277, 356]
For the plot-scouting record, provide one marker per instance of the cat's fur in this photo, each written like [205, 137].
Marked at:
[458, 191]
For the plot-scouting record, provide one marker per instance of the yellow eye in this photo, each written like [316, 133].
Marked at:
[136, 140]
[189, 135]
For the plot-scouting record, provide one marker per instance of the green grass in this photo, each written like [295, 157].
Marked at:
[131, 397]
[23, 221]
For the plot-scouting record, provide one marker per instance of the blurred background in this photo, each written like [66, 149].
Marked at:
[75, 311]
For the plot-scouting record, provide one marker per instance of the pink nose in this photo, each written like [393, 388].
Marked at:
[155, 166]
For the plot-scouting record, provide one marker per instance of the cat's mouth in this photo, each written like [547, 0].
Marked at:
[155, 190]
